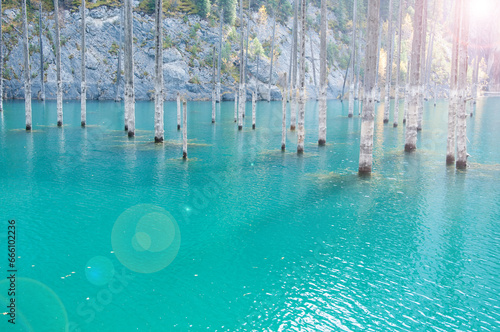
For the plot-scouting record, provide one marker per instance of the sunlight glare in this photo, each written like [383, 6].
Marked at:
[481, 9]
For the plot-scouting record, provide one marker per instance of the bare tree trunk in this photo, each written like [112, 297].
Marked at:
[184, 130]
[119, 69]
[257, 76]
[452, 108]
[462, 86]
[129, 68]
[236, 104]
[42, 74]
[416, 58]
[83, 94]
[293, 85]
[368, 117]
[283, 112]
[422, 69]
[272, 61]
[254, 107]
[428, 65]
[290, 68]
[213, 88]
[247, 37]
[241, 109]
[358, 67]
[475, 74]
[219, 63]
[159, 122]
[1, 55]
[407, 90]
[353, 57]
[398, 66]
[178, 111]
[323, 75]
[27, 71]
[313, 63]
[379, 43]
[58, 67]
[388, 68]
[302, 79]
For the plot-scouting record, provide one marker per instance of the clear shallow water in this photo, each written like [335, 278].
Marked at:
[268, 240]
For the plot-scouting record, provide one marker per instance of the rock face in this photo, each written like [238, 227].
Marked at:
[186, 70]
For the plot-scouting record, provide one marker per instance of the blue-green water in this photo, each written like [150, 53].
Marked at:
[266, 240]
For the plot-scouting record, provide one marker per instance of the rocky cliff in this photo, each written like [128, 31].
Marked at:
[187, 66]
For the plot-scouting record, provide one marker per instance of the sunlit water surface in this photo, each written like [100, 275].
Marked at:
[269, 240]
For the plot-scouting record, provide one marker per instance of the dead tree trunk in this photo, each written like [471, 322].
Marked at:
[42, 74]
[302, 81]
[159, 122]
[452, 108]
[462, 87]
[129, 68]
[398, 67]
[388, 68]
[83, 93]
[119, 69]
[368, 116]
[422, 69]
[58, 67]
[272, 62]
[377, 83]
[416, 58]
[221, 18]
[27, 71]
[353, 57]
[323, 76]
[293, 85]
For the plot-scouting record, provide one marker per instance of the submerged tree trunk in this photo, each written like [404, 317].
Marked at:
[323, 77]
[379, 43]
[184, 130]
[254, 107]
[159, 122]
[411, 123]
[353, 57]
[283, 113]
[42, 75]
[407, 90]
[272, 61]
[247, 37]
[428, 65]
[462, 86]
[213, 88]
[293, 85]
[1, 55]
[83, 93]
[119, 69]
[178, 111]
[129, 68]
[398, 67]
[236, 104]
[58, 67]
[358, 74]
[241, 109]
[27, 71]
[302, 79]
[475, 74]
[388, 68]
[422, 69]
[368, 117]
[221, 18]
[313, 64]
[452, 108]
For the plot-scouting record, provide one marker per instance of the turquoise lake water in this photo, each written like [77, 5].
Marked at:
[118, 234]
